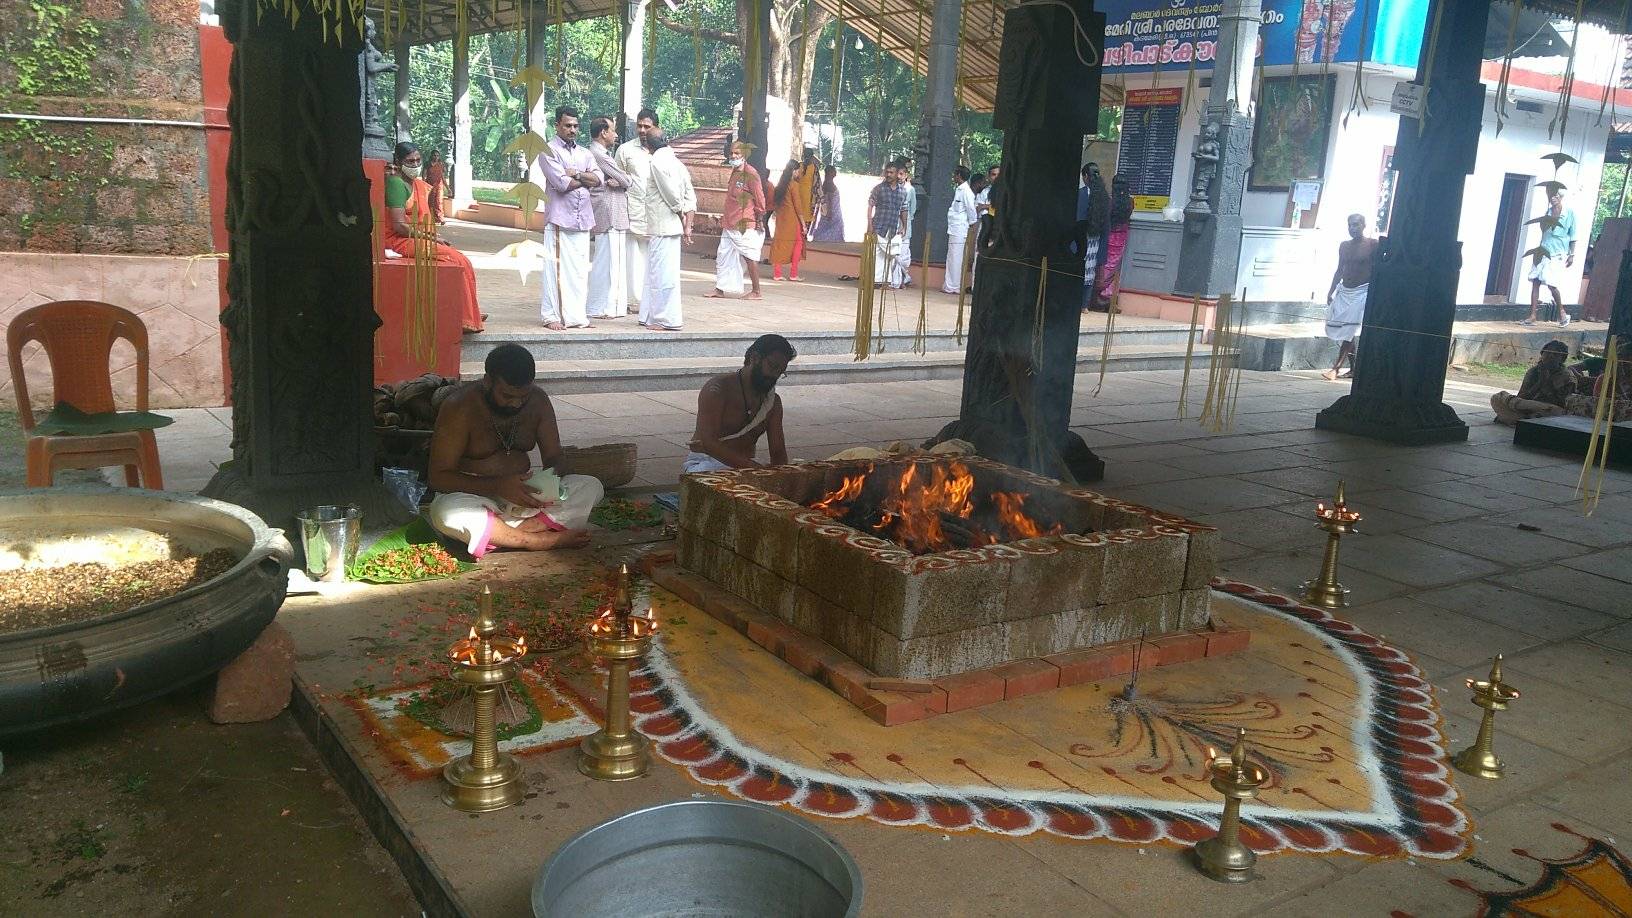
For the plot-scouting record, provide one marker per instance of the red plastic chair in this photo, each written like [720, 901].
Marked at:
[78, 336]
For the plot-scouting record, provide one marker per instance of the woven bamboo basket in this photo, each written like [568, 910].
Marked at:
[612, 463]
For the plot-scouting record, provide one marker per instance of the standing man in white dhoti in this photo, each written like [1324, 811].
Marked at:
[960, 217]
[636, 163]
[670, 203]
[1347, 294]
[608, 279]
[742, 230]
[886, 220]
[1557, 256]
[903, 252]
[569, 174]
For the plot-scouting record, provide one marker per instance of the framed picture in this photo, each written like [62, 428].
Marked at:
[1290, 130]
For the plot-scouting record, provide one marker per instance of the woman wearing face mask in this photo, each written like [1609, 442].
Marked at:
[409, 220]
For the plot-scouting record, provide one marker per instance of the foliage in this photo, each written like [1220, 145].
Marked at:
[52, 54]
[1609, 196]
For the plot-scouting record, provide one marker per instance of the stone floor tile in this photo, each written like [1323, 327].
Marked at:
[1143, 452]
[1616, 564]
[1210, 495]
[1598, 796]
[1392, 470]
[1129, 473]
[1411, 503]
[1484, 496]
[1594, 670]
[1600, 530]
[1519, 611]
[1380, 889]
[1558, 717]
[1412, 562]
[1235, 463]
[1285, 571]
[1445, 636]
[1575, 587]
[1312, 479]
[1461, 463]
[616, 404]
[1262, 527]
[1619, 637]
[1568, 473]
[1528, 766]
[1500, 539]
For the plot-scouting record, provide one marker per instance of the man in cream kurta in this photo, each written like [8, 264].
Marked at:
[569, 173]
[671, 201]
[636, 163]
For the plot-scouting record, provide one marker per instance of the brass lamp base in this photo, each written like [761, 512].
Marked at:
[1481, 763]
[1225, 863]
[605, 757]
[1327, 595]
[472, 789]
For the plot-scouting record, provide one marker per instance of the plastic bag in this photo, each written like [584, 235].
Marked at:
[405, 485]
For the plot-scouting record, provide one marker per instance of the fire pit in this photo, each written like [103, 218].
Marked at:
[926, 567]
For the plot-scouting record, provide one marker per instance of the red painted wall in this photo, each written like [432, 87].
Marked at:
[215, 61]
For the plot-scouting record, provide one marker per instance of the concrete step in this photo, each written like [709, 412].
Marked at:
[613, 343]
[897, 363]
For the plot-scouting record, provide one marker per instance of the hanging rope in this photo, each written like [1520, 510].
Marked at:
[1357, 100]
[1567, 87]
[920, 344]
[838, 62]
[651, 47]
[1428, 69]
[752, 67]
[1212, 408]
[420, 329]
[1038, 316]
[1500, 103]
[1189, 353]
[1589, 487]
[799, 62]
[1105, 344]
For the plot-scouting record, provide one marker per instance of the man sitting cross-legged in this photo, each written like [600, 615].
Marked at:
[735, 409]
[481, 461]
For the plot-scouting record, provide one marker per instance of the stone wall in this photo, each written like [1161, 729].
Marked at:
[176, 298]
[96, 187]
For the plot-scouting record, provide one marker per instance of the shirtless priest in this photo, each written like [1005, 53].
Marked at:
[481, 464]
[734, 410]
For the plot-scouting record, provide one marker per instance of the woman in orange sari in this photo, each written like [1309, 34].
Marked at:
[794, 196]
[409, 218]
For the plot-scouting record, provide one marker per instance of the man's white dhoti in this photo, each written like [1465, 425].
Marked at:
[1549, 270]
[730, 273]
[634, 263]
[1348, 311]
[660, 298]
[886, 265]
[608, 290]
[953, 282]
[903, 258]
[470, 518]
[566, 277]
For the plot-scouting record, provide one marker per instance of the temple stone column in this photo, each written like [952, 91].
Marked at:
[1021, 360]
[462, 173]
[631, 92]
[1210, 253]
[936, 151]
[537, 118]
[400, 91]
[1399, 376]
[754, 94]
[300, 318]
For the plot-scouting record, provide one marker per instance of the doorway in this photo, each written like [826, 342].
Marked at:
[1505, 248]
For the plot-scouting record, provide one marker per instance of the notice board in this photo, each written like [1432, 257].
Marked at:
[1150, 141]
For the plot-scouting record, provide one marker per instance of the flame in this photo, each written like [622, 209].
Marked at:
[917, 508]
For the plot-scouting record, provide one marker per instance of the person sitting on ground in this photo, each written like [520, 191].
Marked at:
[481, 464]
[1546, 388]
[1584, 403]
[733, 410]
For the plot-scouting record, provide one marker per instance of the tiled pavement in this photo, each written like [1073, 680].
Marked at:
[1442, 569]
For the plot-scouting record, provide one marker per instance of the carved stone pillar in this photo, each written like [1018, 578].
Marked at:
[1210, 252]
[936, 152]
[1399, 376]
[300, 318]
[1021, 360]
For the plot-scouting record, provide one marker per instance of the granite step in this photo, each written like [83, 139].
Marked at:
[897, 363]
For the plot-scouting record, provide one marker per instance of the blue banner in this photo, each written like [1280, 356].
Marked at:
[1146, 35]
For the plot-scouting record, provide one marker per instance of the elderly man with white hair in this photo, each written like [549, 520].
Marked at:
[1556, 256]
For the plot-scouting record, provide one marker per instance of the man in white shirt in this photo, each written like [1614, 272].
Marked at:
[904, 254]
[671, 202]
[959, 218]
[569, 173]
[636, 163]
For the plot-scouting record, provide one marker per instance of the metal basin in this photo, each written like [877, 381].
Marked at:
[721, 858]
[61, 673]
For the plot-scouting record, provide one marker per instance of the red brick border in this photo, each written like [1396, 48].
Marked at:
[848, 679]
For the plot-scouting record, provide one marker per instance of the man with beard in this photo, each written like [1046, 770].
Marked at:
[734, 410]
[481, 465]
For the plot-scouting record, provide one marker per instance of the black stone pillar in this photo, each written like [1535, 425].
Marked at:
[936, 151]
[300, 318]
[1021, 360]
[1399, 377]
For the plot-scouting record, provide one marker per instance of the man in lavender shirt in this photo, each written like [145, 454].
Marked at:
[569, 172]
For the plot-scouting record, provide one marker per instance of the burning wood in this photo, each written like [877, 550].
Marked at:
[930, 508]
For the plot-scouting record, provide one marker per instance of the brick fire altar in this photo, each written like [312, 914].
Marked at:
[966, 564]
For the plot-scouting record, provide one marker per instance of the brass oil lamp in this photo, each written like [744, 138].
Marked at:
[1492, 694]
[618, 636]
[1338, 521]
[1223, 857]
[486, 779]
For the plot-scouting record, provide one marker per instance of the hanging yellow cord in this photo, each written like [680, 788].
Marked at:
[970, 244]
[920, 344]
[1111, 309]
[1210, 406]
[1500, 103]
[1589, 487]
[1038, 316]
[864, 295]
[838, 62]
[751, 67]
[1189, 353]
[1567, 86]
